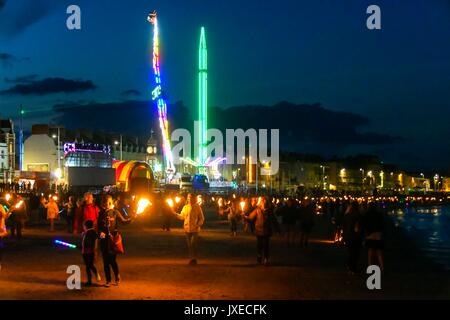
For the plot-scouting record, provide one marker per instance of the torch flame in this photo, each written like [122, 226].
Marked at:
[19, 204]
[169, 202]
[142, 205]
[242, 203]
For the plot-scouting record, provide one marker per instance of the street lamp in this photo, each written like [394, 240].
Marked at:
[116, 143]
[323, 177]
[58, 136]
[362, 178]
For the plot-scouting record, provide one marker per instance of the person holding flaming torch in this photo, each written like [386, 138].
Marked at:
[18, 213]
[265, 223]
[110, 238]
[192, 215]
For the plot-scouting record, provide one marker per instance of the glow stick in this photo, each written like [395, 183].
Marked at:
[65, 244]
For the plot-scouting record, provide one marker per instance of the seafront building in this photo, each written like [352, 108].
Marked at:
[50, 148]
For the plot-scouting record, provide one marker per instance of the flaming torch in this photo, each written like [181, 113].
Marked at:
[142, 205]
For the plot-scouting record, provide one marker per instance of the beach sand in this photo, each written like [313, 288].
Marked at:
[155, 267]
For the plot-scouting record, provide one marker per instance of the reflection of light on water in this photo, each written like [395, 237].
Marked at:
[429, 210]
[428, 228]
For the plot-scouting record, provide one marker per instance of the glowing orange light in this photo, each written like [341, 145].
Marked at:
[242, 204]
[169, 202]
[142, 205]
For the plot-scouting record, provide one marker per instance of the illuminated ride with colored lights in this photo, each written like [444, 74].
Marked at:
[158, 96]
[135, 177]
[202, 160]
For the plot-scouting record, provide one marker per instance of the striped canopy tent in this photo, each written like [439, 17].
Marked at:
[127, 170]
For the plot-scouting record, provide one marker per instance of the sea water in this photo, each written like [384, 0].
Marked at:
[429, 228]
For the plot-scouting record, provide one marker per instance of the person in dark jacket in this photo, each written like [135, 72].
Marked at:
[107, 227]
[70, 207]
[353, 236]
[374, 224]
[88, 249]
[18, 217]
[307, 213]
[288, 219]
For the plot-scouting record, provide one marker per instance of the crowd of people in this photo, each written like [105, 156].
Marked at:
[357, 222]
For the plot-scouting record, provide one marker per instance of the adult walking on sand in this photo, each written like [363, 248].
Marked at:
[265, 222]
[374, 224]
[107, 229]
[353, 236]
[192, 215]
[52, 212]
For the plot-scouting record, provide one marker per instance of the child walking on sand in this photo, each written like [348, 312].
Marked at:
[88, 249]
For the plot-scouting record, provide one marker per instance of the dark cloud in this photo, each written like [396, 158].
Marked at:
[131, 92]
[301, 126]
[7, 59]
[22, 79]
[49, 86]
[2, 4]
[15, 19]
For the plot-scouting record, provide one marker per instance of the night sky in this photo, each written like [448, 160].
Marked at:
[396, 80]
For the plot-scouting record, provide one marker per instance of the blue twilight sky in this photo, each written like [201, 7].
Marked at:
[259, 53]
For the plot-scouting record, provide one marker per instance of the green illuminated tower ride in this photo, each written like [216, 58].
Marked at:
[202, 160]
[202, 98]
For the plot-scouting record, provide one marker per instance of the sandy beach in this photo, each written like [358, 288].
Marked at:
[155, 267]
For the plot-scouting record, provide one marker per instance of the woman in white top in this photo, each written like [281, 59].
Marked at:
[52, 212]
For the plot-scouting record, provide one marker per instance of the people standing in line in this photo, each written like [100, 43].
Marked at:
[306, 221]
[70, 213]
[88, 250]
[52, 212]
[265, 220]
[193, 219]
[353, 236]
[107, 229]
[375, 229]
[90, 210]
